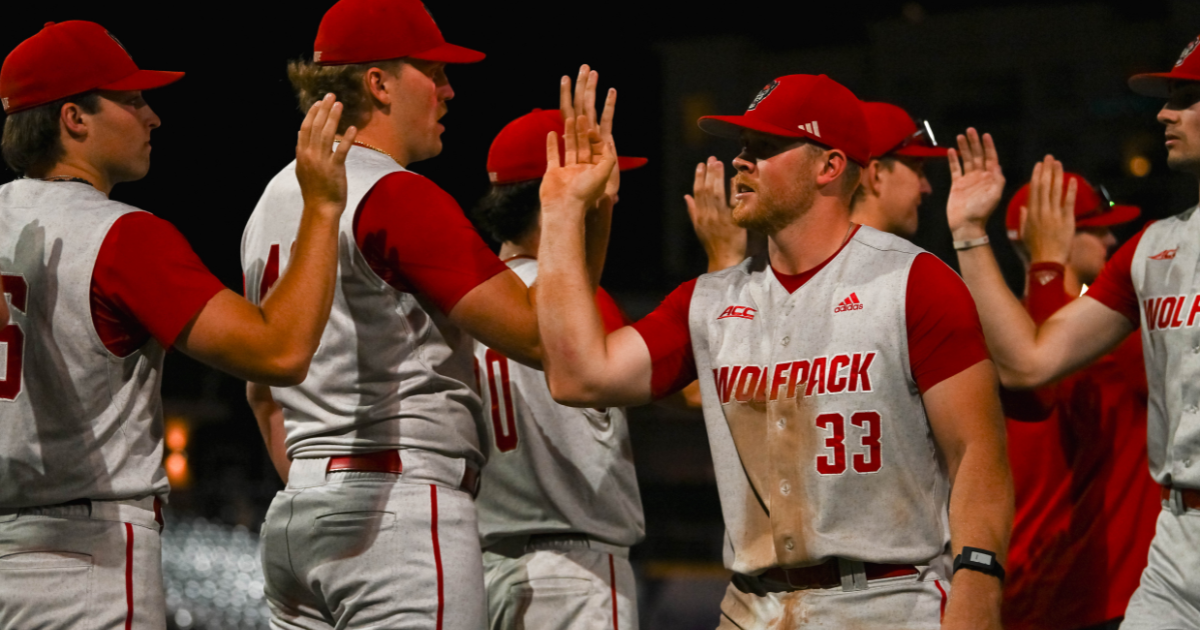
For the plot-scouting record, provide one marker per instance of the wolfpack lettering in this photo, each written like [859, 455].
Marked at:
[1167, 312]
[744, 312]
[836, 374]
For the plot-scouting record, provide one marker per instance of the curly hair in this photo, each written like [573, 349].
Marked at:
[32, 143]
[509, 211]
[312, 82]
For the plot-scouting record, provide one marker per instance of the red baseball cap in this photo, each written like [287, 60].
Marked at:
[1187, 68]
[813, 107]
[518, 153]
[1092, 207]
[893, 132]
[71, 58]
[359, 31]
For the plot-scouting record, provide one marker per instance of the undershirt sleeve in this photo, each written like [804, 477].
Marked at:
[614, 318]
[147, 279]
[944, 333]
[1114, 286]
[669, 339]
[416, 238]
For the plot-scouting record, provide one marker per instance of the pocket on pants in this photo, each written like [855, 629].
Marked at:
[45, 589]
[556, 603]
[356, 521]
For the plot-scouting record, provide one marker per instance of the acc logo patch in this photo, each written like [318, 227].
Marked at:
[1187, 52]
[763, 93]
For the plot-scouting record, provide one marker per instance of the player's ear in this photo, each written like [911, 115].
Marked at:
[832, 164]
[375, 84]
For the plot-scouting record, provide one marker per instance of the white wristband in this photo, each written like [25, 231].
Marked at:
[975, 242]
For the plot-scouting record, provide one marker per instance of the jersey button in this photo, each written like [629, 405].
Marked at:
[789, 544]
[785, 487]
[785, 341]
[781, 423]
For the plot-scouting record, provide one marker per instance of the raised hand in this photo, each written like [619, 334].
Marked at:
[976, 185]
[320, 168]
[712, 217]
[583, 102]
[1048, 222]
[577, 180]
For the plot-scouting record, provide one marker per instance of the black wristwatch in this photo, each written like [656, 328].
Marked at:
[980, 560]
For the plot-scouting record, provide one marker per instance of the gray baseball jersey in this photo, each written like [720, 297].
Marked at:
[76, 422]
[1164, 272]
[551, 468]
[392, 371]
[818, 432]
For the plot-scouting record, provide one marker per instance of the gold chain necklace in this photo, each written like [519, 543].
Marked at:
[367, 146]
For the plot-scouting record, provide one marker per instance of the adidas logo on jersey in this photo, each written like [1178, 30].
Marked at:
[744, 312]
[1166, 254]
[849, 304]
[812, 128]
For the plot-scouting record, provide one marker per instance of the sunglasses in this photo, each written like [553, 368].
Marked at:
[924, 130]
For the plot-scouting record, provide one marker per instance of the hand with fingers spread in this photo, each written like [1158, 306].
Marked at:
[712, 217]
[583, 102]
[577, 181]
[1048, 222]
[976, 185]
[320, 168]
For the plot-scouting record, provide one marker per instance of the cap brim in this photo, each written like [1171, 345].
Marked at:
[732, 126]
[449, 53]
[1158, 84]
[630, 163]
[919, 151]
[1115, 216]
[144, 80]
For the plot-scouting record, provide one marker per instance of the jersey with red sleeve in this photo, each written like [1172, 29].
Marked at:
[1085, 502]
[814, 408]
[80, 408]
[392, 370]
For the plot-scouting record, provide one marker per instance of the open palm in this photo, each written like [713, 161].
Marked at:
[977, 183]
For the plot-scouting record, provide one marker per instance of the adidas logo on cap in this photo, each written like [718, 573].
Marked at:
[4, 102]
[812, 128]
[849, 304]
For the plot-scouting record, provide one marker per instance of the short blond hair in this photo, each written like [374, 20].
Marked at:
[313, 81]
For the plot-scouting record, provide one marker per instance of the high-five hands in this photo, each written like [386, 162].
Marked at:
[1048, 222]
[976, 185]
[584, 103]
[577, 181]
[320, 168]
[712, 217]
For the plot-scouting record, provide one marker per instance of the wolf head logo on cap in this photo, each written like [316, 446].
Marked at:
[763, 93]
[1187, 51]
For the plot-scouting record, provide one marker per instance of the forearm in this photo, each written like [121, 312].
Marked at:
[572, 331]
[981, 514]
[1010, 332]
[598, 227]
[296, 310]
[269, 416]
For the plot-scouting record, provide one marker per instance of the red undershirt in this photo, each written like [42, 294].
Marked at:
[944, 333]
[1114, 286]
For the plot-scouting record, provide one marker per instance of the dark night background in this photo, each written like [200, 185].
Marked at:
[1041, 76]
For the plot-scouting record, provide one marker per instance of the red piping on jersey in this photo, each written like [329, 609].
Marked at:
[437, 554]
[612, 580]
[941, 590]
[128, 576]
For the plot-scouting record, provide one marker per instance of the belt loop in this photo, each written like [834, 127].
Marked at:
[854, 575]
[1176, 502]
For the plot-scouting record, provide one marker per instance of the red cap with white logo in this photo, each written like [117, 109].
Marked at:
[812, 107]
[1187, 68]
[360, 31]
[518, 153]
[71, 58]
[893, 132]
[1093, 208]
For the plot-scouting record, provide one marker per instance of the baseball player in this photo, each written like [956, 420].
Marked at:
[845, 382]
[377, 526]
[98, 291]
[1084, 502]
[893, 182]
[1149, 283]
[561, 506]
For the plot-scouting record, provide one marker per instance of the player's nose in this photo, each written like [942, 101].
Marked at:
[742, 164]
[152, 119]
[926, 187]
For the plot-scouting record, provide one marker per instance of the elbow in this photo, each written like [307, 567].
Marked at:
[571, 392]
[285, 371]
[1017, 379]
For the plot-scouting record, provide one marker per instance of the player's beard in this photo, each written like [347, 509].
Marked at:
[1176, 161]
[775, 209]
